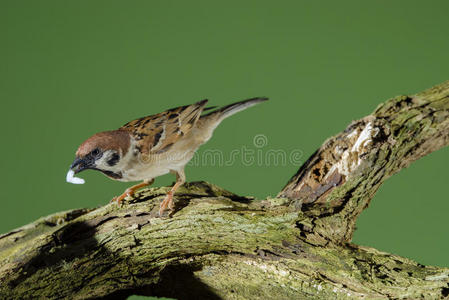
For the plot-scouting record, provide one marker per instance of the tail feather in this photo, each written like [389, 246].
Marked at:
[233, 108]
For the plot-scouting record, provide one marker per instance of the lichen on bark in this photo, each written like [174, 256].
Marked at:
[218, 245]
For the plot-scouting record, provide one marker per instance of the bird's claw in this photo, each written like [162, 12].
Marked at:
[116, 200]
[168, 202]
[119, 199]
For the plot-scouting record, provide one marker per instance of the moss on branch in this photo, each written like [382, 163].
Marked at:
[218, 245]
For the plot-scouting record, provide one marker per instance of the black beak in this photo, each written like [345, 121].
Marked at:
[80, 164]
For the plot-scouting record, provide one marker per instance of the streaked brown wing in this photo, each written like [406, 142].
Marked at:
[157, 133]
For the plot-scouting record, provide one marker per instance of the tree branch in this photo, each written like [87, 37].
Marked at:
[339, 179]
[218, 245]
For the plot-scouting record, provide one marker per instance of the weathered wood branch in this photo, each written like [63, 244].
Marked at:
[218, 245]
[339, 179]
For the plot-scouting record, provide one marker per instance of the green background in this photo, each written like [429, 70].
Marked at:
[73, 68]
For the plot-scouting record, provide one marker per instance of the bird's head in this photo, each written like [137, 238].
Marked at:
[103, 152]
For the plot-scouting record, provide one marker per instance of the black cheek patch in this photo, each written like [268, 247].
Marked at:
[113, 160]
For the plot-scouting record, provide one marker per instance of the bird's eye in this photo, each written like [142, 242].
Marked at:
[95, 152]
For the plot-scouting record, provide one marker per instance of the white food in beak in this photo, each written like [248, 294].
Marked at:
[72, 179]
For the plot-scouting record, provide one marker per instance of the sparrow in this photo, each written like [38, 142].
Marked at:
[148, 147]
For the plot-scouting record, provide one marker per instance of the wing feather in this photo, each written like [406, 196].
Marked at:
[157, 133]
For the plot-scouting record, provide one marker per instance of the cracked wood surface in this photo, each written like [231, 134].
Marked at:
[339, 179]
[218, 245]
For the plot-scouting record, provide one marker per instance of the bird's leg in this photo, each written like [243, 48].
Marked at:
[168, 201]
[131, 190]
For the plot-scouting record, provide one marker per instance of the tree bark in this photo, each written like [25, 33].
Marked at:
[218, 245]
